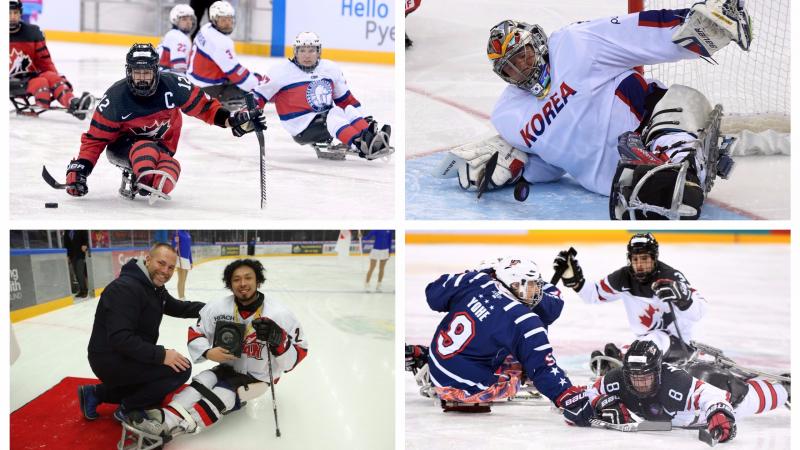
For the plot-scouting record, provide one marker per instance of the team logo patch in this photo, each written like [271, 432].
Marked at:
[319, 95]
[156, 131]
[20, 63]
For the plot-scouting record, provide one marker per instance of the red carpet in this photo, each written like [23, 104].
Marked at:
[54, 420]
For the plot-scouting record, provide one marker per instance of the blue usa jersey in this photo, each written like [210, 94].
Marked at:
[484, 324]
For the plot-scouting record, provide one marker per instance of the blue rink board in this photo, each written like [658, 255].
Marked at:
[430, 198]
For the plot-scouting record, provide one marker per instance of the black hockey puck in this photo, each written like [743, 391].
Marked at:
[51, 205]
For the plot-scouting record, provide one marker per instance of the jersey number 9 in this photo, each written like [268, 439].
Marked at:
[459, 332]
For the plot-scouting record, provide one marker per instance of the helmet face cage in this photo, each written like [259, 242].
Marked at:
[642, 243]
[641, 369]
[142, 57]
[509, 39]
[522, 278]
[180, 11]
[307, 39]
[222, 9]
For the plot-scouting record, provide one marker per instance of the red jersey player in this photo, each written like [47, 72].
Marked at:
[139, 119]
[30, 65]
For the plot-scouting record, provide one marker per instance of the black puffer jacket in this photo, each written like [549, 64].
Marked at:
[129, 314]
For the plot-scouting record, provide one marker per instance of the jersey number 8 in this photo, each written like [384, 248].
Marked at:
[459, 332]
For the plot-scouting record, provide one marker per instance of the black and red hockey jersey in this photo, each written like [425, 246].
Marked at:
[156, 118]
[28, 52]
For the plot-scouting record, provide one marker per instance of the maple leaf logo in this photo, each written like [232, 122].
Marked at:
[155, 131]
[647, 318]
[20, 63]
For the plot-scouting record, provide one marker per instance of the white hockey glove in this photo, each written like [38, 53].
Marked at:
[712, 24]
[510, 163]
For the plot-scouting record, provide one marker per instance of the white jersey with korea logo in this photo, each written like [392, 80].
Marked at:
[299, 96]
[254, 357]
[575, 127]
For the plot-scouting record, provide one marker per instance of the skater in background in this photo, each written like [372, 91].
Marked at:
[182, 243]
[379, 255]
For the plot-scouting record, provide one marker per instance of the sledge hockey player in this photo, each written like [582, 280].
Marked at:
[661, 304]
[502, 310]
[138, 121]
[32, 73]
[173, 51]
[411, 6]
[213, 64]
[660, 392]
[272, 343]
[315, 104]
[576, 106]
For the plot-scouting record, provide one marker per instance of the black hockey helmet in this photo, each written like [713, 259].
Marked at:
[14, 5]
[142, 57]
[642, 243]
[641, 368]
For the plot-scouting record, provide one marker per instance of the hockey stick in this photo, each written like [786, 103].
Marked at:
[272, 388]
[678, 329]
[491, 165]
[557, 275]
[251, 106]
[52, 181]
[644, 425]
[706, 436]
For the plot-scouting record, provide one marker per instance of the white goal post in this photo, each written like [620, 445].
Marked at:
[753, 87]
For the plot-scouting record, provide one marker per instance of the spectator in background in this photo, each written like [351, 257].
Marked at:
[182, 243]
[199, 7]
[134, 371]
[100, 239]
[379, 253]
[77, 244]
[160, 236]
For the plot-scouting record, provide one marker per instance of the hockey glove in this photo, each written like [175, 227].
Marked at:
[245, 121]
[712, 24]
[510, 163]
[609, 408]
[271, 333]
[416, 357]
[673, 291]
[570, 269]
[721, 423]
[577, 408]
[77, 171]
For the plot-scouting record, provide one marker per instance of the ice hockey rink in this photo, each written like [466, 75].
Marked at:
[341, 396]
[747, 288]
[219, 173]
[451, 90]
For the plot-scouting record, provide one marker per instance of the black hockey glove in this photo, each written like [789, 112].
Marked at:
[673, 291]
[416, 357]
[609, 408]
[577, 408]
[570, 270]
[271, 333]
[245, 121]
[77, 171]
[721, 423]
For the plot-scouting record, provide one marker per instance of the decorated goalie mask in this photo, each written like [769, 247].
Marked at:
[641, 368]
[518, 52]
[522, 278]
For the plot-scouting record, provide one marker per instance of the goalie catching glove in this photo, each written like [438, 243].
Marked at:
[510, 163]
[271, 333]
[712, 24]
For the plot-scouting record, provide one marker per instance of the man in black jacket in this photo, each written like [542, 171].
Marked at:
[135, 372]
[77, 244]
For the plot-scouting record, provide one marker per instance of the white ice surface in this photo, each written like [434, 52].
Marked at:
[451, 89]
[341, 396]
[220, 173]
[747, 287]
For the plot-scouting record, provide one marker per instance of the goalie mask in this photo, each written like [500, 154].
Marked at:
[641, 369]
[642, 243]
[518, 52]
[522, 278]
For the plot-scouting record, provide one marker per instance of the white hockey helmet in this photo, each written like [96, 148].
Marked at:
[521, 277]
[219, 9]
[180, 11]
[307, 39]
